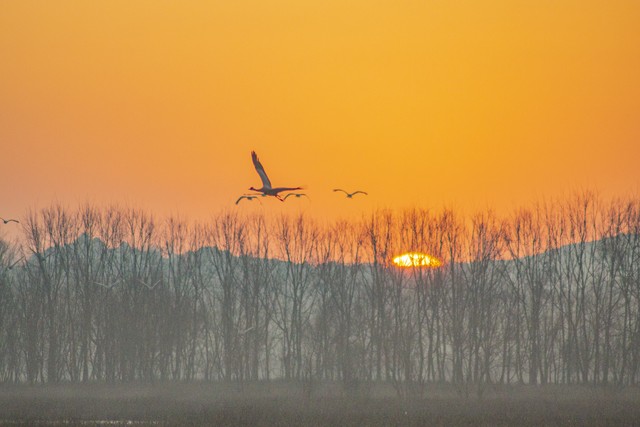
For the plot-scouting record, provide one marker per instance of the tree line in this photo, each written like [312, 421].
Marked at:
[548, 294]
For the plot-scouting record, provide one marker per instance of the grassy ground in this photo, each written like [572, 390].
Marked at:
[278, 404]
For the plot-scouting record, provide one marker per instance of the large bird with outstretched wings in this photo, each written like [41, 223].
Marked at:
[267, 189]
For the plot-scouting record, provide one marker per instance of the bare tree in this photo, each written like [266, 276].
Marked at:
[9, 313]
[339, 308]
[296, 240]
[483, 274]
[227, 238]
[257, 275]
[379, 232]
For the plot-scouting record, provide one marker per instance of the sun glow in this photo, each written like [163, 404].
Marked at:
[416, 259]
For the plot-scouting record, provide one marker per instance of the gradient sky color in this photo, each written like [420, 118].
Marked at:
[470, 104]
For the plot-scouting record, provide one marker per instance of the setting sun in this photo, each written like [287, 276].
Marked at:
[416, 259]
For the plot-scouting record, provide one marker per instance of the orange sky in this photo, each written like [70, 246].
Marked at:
[470, 104]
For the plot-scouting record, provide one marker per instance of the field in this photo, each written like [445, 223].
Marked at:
[278, 404]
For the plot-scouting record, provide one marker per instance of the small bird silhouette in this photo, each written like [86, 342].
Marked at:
[148, 285]
[296, 195]
[248, 197]
[6, 221]
[267, 189]
[108, 286]
[350, 195]
[250, 328]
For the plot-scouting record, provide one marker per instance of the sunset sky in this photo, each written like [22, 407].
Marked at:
[467, 104]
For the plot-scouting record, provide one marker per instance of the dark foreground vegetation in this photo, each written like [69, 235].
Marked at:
[280, 404]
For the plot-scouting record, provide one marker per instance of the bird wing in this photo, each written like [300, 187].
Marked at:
[340, 189]
[260, 169]
[285, 197]
[362, 192]
[240, 198]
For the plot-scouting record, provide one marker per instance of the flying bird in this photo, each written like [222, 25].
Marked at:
[267, 189]
[248, 197]
[296, 195]
[350, 195]
[149, 286]
[250, 328]
[109, 285]
[6, 221]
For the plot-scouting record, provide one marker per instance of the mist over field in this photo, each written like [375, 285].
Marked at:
[113, 314]
[277, 403]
